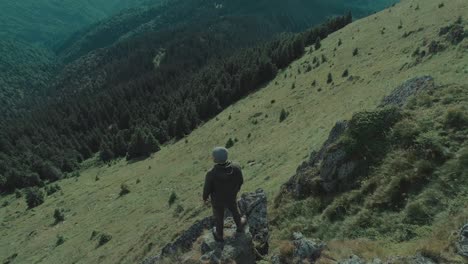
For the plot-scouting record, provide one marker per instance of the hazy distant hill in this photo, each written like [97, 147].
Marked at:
[48, 21]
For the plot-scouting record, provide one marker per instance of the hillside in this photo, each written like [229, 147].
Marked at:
[270, 151]
[49, 22]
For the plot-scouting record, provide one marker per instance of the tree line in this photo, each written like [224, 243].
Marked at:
[139, 107]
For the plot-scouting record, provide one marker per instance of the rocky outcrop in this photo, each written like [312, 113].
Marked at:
[251, 245]
[237, 247]
[462, 244]
[412, 87]
[332, 169]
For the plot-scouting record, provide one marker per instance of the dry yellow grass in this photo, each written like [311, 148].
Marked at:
[141, 222]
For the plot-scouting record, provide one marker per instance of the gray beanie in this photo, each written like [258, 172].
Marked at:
[220, 155]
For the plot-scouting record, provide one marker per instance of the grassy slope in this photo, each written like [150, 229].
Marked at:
[143, 216]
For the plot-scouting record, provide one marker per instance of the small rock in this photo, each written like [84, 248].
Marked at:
[306, 249]
[462, 245]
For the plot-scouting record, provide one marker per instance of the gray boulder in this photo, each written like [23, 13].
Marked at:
[414, 86]
[462, 244]
[306, 249]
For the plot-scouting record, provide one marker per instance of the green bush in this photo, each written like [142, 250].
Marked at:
[103, 239]
[52, 188]
[18, 193]
[124, 189]
[283, 115]
[345, 73]
[430, 146]
[60, 240]
[172, 198]
[59, 215]
[34, 197]
[229, 143]
[329, 78]
[355, 52]
[405, 132]
[456, 118]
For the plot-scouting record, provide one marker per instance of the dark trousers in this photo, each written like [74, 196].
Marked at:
[218, 215]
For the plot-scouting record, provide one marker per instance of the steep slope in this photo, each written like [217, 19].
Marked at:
[25, 71]
[142, 221]
[49, 22]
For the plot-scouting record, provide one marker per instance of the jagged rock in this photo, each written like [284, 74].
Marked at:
[253, 242]
[306, 249]
[254, 206]
[462, 244]
[301, 185]
[331, 169]
[400, 95]
[237, 247]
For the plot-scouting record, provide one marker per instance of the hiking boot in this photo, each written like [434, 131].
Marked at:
[217, 237]
[241, 228]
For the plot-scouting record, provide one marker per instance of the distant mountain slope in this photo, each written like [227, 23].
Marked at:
[49, 21]
[26, 70]
[296, 15]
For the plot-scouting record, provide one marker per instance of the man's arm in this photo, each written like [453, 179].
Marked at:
[207, 189]
[241, 179]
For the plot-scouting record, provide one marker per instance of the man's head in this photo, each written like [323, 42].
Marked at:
[220, 155]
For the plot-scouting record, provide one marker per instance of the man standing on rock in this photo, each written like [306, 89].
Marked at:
[222, 183]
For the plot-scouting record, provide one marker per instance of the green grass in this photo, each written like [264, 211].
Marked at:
[141, 222]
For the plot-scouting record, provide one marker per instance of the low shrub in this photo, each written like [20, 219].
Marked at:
[60, 240]
[124, 189]
[34, 197]
[52, 188]
[405, 132]
[172, 198]
[229, 143]
[456, 118]
[283, 115]
[103, 239]
[59, 215]
[430, 146]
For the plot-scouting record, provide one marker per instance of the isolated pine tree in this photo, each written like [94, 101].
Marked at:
[229, 143]
[106, 153]
[329, 78]
[34, 197]
[136, 148]
[318, 43]
[151, 144]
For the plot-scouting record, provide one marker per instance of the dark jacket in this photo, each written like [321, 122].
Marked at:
[222, 183]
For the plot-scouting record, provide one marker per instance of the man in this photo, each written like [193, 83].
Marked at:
[222, 183]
